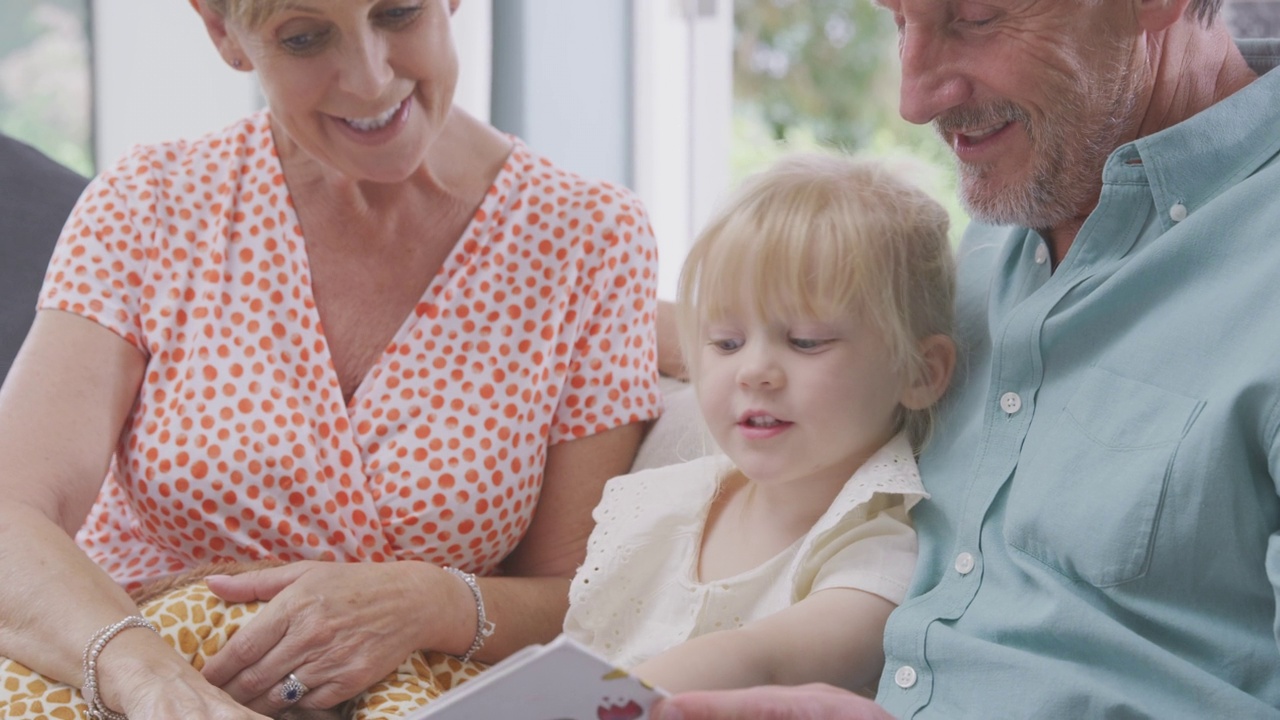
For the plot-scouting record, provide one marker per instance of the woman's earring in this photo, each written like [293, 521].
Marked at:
[236, 63]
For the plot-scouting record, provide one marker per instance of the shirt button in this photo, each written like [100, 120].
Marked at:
[1178, 212]
[964, 563]
[1042, 254]
[905, 677]
[1010, 402]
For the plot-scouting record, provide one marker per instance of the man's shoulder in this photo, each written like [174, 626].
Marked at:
[25, 172]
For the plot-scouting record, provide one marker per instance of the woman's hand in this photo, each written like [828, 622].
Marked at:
[143, 677]
[337, 627]
[770, 703]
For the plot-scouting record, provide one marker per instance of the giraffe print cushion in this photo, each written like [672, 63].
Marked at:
[196, 623]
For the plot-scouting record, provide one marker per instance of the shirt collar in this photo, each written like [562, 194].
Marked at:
[1192, 162]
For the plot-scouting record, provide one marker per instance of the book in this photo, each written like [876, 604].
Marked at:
[561, 680]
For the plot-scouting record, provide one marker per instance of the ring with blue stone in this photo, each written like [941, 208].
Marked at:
[292, 689]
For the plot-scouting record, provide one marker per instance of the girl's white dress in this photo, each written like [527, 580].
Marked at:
[638, 592]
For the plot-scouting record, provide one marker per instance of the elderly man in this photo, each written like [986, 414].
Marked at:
[1104, 534]
[36, 195]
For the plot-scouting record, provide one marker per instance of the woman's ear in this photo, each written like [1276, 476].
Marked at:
[216, 25]
[938, 353]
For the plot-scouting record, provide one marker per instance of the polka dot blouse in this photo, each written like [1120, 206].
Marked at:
[539, 328]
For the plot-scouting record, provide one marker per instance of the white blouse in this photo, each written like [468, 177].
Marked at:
[638, 592]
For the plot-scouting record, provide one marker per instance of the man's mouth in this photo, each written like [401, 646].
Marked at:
[977, 136]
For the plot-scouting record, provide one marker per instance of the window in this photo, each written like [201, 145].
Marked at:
[45, 78]
[724, 88]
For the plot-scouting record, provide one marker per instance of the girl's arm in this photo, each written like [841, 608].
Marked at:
[834, 636]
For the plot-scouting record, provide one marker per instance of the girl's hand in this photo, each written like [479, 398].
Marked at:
[770, 703]
[338, 627]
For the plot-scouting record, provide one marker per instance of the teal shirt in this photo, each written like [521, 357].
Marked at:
[1103, 538]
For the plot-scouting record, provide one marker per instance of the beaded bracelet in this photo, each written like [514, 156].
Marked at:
[98, 710]
[484, 628]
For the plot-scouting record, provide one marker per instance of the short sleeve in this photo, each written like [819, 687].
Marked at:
[99, 265]
[876, 555]
[613, 369]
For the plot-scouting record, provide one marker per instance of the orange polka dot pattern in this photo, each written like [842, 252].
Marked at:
[539, 328]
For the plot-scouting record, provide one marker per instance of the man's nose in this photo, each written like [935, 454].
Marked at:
[931, 83]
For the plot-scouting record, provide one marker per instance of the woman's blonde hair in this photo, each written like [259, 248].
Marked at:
[817, 236]
[247, 13]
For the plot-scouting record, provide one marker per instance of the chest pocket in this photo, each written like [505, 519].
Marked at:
[1088, 503]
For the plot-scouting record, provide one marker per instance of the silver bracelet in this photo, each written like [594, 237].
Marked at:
[98, 710]
[484, 628]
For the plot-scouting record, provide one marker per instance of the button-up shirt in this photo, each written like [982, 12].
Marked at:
[1104, 534]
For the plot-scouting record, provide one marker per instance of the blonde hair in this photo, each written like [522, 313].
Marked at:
[248, 13]
[818, 235]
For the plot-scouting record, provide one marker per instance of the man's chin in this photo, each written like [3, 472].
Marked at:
[1005, 204]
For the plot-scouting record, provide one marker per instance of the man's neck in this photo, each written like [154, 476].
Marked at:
[1192, 68]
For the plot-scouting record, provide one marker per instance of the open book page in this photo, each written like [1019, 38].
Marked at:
[561, 680]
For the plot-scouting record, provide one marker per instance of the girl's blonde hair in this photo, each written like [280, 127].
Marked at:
[817, 236]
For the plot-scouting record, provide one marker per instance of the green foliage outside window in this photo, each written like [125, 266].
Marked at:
[45, 78]
[822, 75]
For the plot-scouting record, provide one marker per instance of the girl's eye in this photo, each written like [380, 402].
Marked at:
[726, 345]
[809, 343]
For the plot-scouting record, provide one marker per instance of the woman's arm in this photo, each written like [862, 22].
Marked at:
[834, 636]
[62, 408]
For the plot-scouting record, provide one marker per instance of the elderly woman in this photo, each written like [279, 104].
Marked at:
[360, 331]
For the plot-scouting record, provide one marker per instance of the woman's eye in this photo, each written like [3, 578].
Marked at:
[304, 41]
[726, 345]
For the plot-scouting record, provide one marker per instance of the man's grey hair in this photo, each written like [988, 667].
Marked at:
[1206, 11]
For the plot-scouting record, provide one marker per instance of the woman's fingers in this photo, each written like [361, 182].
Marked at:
[165, 698]
[256, 584]
[338, 627]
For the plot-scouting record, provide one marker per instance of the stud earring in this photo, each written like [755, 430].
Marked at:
[236, 63]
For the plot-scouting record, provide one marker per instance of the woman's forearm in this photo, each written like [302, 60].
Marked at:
[53, 598]
[523, 611]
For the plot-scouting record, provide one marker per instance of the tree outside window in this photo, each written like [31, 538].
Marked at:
[822, 75]
[46, 90]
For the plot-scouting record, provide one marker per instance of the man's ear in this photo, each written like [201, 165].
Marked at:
[216, 25]
[939, 361]
[1155, 16]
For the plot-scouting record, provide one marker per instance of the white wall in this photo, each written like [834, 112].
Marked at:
[158, 76]
[683, 85]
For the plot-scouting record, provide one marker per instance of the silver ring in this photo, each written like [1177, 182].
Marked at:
[292, 689]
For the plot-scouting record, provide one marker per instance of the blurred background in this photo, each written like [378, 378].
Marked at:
[677, 99]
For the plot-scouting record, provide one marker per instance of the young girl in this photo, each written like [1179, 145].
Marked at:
[814, 316]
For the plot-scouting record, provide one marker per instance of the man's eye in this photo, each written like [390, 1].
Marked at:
[400, 15]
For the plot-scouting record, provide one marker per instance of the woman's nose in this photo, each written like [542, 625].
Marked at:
[366, 70]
